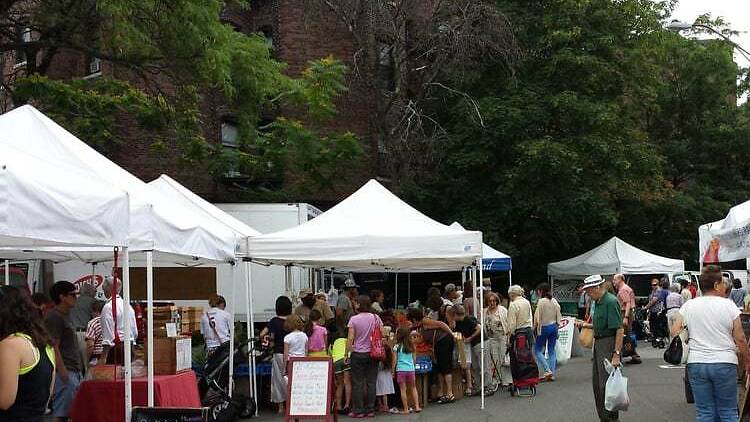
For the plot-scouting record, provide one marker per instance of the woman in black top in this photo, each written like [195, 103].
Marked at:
[276, 330]
[26, 359]
[440, 337]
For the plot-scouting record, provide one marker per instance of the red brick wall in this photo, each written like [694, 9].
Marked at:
[300, 34]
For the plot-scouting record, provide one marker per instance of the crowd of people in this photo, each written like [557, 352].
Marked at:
[50, 342]
[444, 326]
[46, 349]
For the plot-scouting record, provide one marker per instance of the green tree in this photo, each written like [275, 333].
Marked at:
[169, 60]
[612, 125]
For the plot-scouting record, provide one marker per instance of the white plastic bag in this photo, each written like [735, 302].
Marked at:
[616, 391]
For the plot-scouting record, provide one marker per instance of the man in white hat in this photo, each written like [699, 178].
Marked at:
[609, 333]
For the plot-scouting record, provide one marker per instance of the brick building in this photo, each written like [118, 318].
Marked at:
[298, 31]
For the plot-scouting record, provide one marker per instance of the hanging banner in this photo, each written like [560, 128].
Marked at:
[564, 346]
[724, 244]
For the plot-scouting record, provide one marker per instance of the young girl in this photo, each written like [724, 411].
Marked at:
[404, 358]
[318, 336]
[343, 373]
[384, 382]
[295, 343]
[277, 332]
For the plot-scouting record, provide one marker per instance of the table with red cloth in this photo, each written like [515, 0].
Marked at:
[104, 401]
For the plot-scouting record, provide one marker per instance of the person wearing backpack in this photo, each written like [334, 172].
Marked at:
[364, 366]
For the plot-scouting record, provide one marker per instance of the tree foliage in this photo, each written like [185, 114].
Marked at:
[168, 60]
[612, 125]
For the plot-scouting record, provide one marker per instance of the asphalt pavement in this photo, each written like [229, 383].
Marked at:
[656, 394]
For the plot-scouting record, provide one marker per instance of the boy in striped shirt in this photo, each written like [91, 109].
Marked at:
[94, 334]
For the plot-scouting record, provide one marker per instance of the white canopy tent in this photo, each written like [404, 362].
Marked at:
[372, 230]
[728, 238]
[174, 191]
[42, 206]
[155, 224]
[614, 256]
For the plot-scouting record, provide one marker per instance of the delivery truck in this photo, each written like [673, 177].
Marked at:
[190, 283]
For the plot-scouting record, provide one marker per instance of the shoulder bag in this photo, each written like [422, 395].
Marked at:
[677, 352]
[377, 352]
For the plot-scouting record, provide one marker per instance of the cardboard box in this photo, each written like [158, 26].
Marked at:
[172, 355]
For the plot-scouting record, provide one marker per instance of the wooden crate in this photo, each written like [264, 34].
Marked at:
[172, 355]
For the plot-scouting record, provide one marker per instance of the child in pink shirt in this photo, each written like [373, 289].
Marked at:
[318, 336]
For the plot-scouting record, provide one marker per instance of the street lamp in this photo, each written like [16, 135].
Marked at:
[678, 26]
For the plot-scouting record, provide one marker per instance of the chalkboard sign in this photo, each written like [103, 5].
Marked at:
[169, 414]
[310, 389]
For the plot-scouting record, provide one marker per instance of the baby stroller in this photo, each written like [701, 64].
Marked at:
[523, 364]
[213, 387]
[640, 324]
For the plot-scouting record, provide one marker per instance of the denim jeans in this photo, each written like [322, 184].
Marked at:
[715, 390]
[547, 339]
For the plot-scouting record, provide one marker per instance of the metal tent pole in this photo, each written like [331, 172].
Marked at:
[408, 286]
[475, 286]
[231, 331]
[395, 305]
[481, 342]
[127, 329]
[510, 278]
[7, 272]
[250, 330]
[150, 324]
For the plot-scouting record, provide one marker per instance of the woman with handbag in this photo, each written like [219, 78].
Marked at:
[363, 358]
[714, 337]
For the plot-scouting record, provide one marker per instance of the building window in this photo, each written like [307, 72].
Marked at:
[385, 66]
[23, 36]
[95, 65]
[267, 33]
[229, 134]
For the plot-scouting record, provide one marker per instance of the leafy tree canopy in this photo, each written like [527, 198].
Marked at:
[172, 62]
[612, 125]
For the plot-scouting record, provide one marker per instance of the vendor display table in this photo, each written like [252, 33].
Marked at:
[104, 401]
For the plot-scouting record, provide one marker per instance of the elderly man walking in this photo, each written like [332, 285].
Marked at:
[626, 297]
[608, 333]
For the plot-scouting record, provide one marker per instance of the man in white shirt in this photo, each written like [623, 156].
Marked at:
[216, 323]
[112, 351]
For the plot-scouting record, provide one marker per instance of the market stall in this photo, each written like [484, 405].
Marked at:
[169, 391]
[156, 226]
[611, 257]
[174, 191]
[371, 230]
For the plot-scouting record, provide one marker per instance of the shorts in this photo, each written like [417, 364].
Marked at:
[64, 393]
[406, 377]
[340, 366]
[443, 350]
[467, 353]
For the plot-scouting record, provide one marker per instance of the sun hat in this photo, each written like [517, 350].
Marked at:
[592, 281]
[350, 284]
